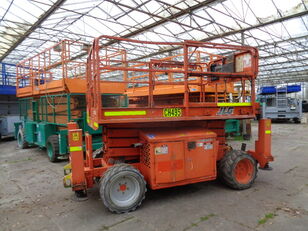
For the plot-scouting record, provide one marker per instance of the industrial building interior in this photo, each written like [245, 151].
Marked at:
[37, 117]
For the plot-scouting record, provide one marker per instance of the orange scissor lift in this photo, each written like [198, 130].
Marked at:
[55, 70]
[171, 132]
[51, 87]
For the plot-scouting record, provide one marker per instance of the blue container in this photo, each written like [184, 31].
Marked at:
[7, 90]
[273, 89]
[7, 79]
[268, 90]
[293, 88]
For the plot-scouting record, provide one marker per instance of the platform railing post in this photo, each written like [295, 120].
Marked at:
[150, 99]
[186, 91]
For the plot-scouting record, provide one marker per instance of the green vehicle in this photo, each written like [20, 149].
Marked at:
[44, 123]
[51, 88]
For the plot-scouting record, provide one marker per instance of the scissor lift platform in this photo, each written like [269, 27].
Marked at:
[175, 141]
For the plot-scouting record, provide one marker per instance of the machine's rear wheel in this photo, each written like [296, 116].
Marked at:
[238, 170]
[52, 147]
[21, 139]
[122, 188]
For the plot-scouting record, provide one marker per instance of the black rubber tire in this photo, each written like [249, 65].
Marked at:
[297, 120]
[52, 148]
[21, 139]
[109, 178]
[227, 166]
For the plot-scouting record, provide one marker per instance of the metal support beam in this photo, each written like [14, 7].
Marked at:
[242, 38]
[284, 79]
[164, 20]
[284, 54]
[281, 63]
[41, 19]
[157, 23]
[233, 32]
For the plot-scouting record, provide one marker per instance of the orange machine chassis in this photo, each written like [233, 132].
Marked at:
[189, 121]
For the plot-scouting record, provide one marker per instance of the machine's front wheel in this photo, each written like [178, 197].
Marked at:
[122, 188]
[21, 139]
[52, 147]
[238, 170]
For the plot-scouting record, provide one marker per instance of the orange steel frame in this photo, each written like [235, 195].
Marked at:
[37, 75]
[98, 65]
[54, 70]
[164, 91]
[122, 126]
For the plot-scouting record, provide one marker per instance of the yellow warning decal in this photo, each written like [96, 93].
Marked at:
[75, 149]
[172, 112]
[95, 124]
[67, 180]
[75, 136]
[268, 132]
[233, 104]
[67, 169]
[124, 113]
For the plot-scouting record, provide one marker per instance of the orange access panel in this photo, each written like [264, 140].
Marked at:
[179, 156]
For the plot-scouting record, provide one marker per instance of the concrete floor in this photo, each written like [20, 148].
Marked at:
[32, 196]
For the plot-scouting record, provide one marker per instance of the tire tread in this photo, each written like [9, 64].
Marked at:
[54, 141]
[105, 179]
[24, 143]
[226, 168]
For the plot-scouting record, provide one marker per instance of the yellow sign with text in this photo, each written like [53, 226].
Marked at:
[75, 136]
[172, 112]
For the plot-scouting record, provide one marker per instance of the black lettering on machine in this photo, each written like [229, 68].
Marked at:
[226, 111]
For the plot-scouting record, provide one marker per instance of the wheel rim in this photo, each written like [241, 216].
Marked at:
[49, 151]
[124, 191]
[244, 171]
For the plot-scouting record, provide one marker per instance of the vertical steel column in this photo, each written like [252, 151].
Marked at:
[76, 157]
[150, 99]
[125, 64]
[39, 69]
[186, 92]
[253, 94]
[243, 89]
[263, 145]
[31, 81]
[216, 93]
[17, 79]
[53, 109]
[97, 78]
[68, 103]
[3, 74]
